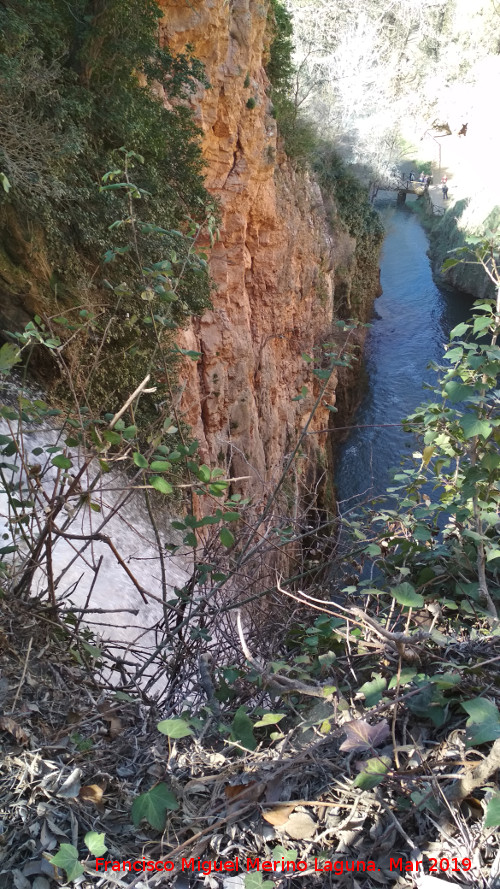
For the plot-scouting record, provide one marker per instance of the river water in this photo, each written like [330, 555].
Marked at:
[413, 319]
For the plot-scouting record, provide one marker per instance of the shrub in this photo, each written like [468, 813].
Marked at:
[75, 85]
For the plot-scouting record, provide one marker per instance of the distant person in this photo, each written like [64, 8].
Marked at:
[463, 131]
[412, 176]
[422, 177]
[445, 191]
[428, 181]
[444, 180]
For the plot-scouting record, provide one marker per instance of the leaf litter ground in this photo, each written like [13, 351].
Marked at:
[76, 758]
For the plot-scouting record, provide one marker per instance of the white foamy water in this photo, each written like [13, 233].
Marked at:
[86, 572]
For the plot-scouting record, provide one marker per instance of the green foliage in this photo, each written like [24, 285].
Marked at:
[483, 724]
[280, 68]
[153, 806]
[75, 85]
[251, 103]
[95, 843]
[67, 859]
[350, 196]
[492, 818]
[174, 728]
[298, 133]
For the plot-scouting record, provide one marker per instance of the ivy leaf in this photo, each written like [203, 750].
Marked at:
[493, 813]
[242, 729]
[255, 880]
[174, 728]
[484, 721]
[405, 594]
[95, 843]
[67, 859]
[153, 806]
[160, 484]
[373, 690]
[373, 773]
[280, 852]
[360, 735]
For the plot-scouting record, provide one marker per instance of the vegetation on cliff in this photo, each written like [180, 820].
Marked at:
[77, 83]
[322, 715]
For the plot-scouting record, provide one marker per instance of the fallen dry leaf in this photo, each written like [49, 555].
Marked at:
[71, 787]
[247, 793]
[115, 726]
[91, 793]
[13, 728]
[278, 815]
[363, 736]
[300, 826]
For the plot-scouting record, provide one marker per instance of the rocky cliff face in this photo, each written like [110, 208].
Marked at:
[276, 266]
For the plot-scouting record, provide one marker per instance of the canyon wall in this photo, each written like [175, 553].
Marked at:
[276, 265]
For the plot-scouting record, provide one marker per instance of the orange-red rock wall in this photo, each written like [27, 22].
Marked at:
[274, 262]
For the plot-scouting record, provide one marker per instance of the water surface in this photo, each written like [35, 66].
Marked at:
[412, 323]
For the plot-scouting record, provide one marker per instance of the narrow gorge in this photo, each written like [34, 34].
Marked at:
[249, 567]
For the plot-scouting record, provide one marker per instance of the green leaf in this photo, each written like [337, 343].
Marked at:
[255, 880]
[129, 433]
[140, 461]
[458, 391]
[95, 843]
[472, 425]
[242, 729]
[481, 323]
[374, 772]
[405, 594]
[5, 183]
[373, 690]
[174, 728]
[269, 719]
[153, 806]
[459, 330]
[204, 473]
[93, 650]
[484, 722]
[406, 675]
[160, 466]
[280, 852]
[372, 549]
[160, 484]
[67, 858]
[9, 356]
[61, 462]
[492, 818]
[112, 437]
[226, 537]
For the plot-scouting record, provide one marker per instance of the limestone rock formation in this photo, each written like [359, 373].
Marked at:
[274, 265]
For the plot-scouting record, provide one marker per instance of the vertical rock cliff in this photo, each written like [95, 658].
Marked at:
[274, 265]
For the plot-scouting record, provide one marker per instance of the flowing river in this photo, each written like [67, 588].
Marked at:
[413, 320]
